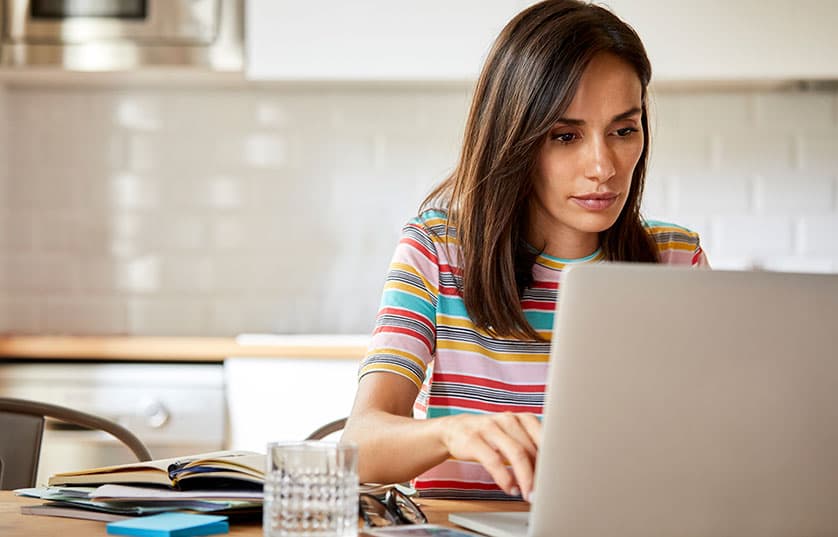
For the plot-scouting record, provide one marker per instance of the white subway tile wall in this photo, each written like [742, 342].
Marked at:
[211, 212]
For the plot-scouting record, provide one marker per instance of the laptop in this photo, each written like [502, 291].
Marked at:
[686, 402]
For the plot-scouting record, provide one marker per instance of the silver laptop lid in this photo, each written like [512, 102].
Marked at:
[691, 403]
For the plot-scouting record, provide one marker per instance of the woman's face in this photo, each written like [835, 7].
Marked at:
[585, 165]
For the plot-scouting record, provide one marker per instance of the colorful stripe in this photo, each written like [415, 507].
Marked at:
[424, 333]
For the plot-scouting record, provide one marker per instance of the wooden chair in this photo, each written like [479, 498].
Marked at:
[22, 426]
[324, 431]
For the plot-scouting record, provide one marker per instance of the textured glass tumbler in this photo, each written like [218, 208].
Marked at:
[311, 489]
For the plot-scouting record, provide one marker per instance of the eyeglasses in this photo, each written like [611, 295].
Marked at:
[396, 509]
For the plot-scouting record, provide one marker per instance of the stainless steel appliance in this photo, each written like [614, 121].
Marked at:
[102, 35]
[175, 409]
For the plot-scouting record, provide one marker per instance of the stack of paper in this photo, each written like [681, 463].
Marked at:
[226, 481]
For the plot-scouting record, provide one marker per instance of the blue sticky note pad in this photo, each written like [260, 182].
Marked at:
[170, 525]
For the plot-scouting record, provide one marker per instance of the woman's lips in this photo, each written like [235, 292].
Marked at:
[595, 202]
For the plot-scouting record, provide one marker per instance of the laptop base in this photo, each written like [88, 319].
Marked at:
[497, 524]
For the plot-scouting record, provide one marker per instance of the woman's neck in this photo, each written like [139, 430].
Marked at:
[563, 242]
[557, 238]
[570, 249]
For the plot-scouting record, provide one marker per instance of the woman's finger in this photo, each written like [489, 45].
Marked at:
[494, 463]
[532, 425]
[522, 462]
[513, 425]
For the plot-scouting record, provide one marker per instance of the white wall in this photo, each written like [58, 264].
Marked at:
[755, 173]
[208, 211]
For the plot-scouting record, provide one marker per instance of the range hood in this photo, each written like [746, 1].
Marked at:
[122, 35]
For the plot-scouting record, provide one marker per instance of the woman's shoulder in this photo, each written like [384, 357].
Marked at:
[431, 218]
[671, 239]
[668, 230]
[429, 234]
[433, 223]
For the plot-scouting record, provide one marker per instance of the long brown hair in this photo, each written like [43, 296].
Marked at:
[527, 83]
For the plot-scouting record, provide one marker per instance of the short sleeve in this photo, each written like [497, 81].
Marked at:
[677, 245]
[699, 259]
[403, 341]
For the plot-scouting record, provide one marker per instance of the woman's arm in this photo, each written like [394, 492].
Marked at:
[394, 447]
[382, 425]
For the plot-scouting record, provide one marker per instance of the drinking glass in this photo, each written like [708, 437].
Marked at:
[311, 490]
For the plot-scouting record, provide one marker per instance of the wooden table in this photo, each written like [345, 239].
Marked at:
[182, 349]
[14, 524]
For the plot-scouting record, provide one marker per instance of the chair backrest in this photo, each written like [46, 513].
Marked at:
[22, 426]
[324, 431]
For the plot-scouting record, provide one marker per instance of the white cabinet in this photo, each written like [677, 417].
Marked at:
[281, 399]
[311, 381]
[447, 40]
[736, 40]
[372, 39]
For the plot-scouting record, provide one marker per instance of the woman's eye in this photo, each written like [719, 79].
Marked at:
[565, 137]
[626, 131]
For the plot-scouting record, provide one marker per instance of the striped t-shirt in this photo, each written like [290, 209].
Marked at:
[424, 333]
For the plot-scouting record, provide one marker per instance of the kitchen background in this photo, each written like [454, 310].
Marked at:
[268, 197]
[272, 202]
[215, 211]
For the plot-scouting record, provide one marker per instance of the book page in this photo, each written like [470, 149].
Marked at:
[252, 464]
[121, 493]
[152, 472]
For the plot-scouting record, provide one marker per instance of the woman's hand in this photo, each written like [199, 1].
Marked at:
[394, 447]
[495, 441]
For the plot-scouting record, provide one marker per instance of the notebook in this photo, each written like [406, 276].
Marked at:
[686, 402]
[237, 469]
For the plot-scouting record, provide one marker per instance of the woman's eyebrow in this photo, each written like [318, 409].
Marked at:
[619, 117]
[627, 114]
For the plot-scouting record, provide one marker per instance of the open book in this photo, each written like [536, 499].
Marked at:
[219, 469]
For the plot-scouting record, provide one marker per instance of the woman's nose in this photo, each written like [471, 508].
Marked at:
[599, 165]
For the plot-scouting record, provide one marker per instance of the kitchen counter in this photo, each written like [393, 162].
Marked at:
[181, 349]
[187, 394]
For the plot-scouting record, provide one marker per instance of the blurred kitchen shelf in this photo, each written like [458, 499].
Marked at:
[185, 77]
[157, 77]
[178, 349]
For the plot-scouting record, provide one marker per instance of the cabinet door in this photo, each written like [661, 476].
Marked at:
[736, 40]
[447, 40]
[372, 39]
[282, 399]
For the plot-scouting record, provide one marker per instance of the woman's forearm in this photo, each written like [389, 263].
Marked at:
[394, 449]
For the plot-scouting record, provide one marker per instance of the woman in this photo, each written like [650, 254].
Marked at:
[550, 174]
